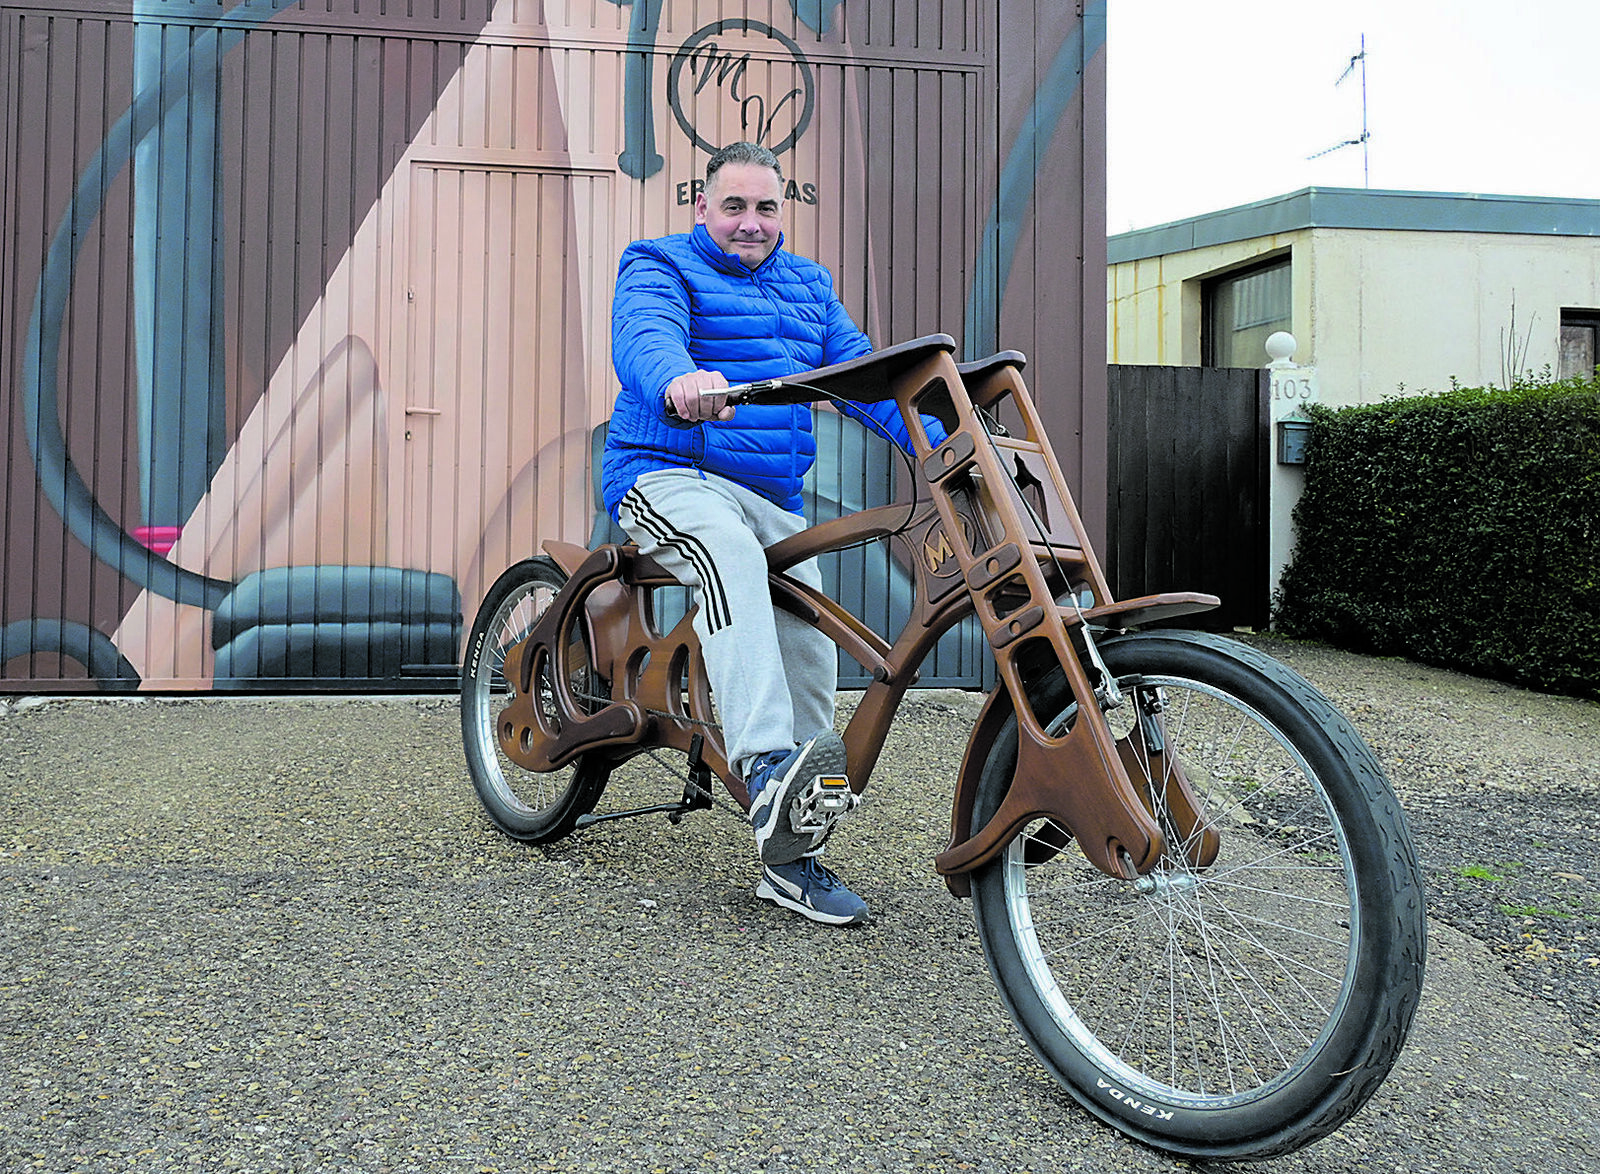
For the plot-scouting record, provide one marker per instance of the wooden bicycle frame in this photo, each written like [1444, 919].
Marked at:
[993, 530]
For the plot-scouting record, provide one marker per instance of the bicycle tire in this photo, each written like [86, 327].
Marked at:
[1241, 1010]
[533, 807]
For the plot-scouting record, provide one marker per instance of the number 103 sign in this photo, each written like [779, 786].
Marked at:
[1292, 389]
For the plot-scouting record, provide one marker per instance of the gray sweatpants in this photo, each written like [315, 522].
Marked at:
[773, 677]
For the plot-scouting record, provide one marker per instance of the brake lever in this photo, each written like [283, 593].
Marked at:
[734, 393]
[742, 393]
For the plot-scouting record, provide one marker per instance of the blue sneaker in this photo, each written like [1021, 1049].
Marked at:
[796, 797]
[813, 891]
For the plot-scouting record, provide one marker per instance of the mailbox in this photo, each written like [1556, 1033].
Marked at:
[1292, 438]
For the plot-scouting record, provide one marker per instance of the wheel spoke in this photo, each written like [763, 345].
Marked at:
[1198, 1007]
[1212, 982]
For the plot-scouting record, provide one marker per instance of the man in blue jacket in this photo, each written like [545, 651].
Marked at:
[705, 489]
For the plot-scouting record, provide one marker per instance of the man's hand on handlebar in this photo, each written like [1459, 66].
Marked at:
[697, 396]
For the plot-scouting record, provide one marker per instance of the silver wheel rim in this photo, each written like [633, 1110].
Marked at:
[1203, 988]
[512, 620]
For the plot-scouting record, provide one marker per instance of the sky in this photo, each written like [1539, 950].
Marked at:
[1216, 103]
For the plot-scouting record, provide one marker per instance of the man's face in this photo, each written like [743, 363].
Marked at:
[741, 208]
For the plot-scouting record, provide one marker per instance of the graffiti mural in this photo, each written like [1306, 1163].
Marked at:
[306, 327]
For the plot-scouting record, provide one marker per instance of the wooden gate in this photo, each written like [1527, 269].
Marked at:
[1187, 463]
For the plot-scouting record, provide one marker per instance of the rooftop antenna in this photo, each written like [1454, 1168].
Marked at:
[1366, 162]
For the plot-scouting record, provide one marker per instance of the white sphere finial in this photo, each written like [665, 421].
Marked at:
[1280, 347]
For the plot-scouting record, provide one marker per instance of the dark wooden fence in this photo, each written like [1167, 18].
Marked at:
[1187, 487]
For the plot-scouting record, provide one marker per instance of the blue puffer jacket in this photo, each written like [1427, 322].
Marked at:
[681, 304]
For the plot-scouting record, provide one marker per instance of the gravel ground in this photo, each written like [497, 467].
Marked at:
[279, 935]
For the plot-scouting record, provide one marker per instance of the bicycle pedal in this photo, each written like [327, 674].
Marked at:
[823, 801]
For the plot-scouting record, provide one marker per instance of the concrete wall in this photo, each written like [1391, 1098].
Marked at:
[1418, 308]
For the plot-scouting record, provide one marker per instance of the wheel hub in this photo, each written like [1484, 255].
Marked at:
[1166, 883]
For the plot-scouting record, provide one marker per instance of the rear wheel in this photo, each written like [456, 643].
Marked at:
[534, 807]
[1245, 1007]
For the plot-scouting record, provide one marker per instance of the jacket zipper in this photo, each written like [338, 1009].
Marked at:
[794, 409]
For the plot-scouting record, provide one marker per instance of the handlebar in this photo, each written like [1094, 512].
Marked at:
[866, 379]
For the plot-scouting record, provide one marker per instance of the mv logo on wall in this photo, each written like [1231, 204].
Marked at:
[731, 79]
[714, 74]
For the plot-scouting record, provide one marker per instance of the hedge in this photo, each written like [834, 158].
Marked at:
[1460, 529]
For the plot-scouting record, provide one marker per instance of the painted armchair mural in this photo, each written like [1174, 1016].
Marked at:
[319, 337]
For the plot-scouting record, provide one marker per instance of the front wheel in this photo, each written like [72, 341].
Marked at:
[1239, 1008]
[529, 806]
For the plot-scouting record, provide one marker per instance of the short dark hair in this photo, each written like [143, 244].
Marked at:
[743, 153]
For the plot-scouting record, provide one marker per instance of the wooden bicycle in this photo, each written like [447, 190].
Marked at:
[1196, 890]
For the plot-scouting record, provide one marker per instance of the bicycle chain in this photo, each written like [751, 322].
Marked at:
[716, 801]
[711, 797]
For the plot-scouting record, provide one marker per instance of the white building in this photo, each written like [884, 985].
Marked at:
[1385, 292]
[1381, 289]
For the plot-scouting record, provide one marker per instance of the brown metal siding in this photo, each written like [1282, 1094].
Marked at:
[416, 219]
[1047, 306]
[60, 95]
